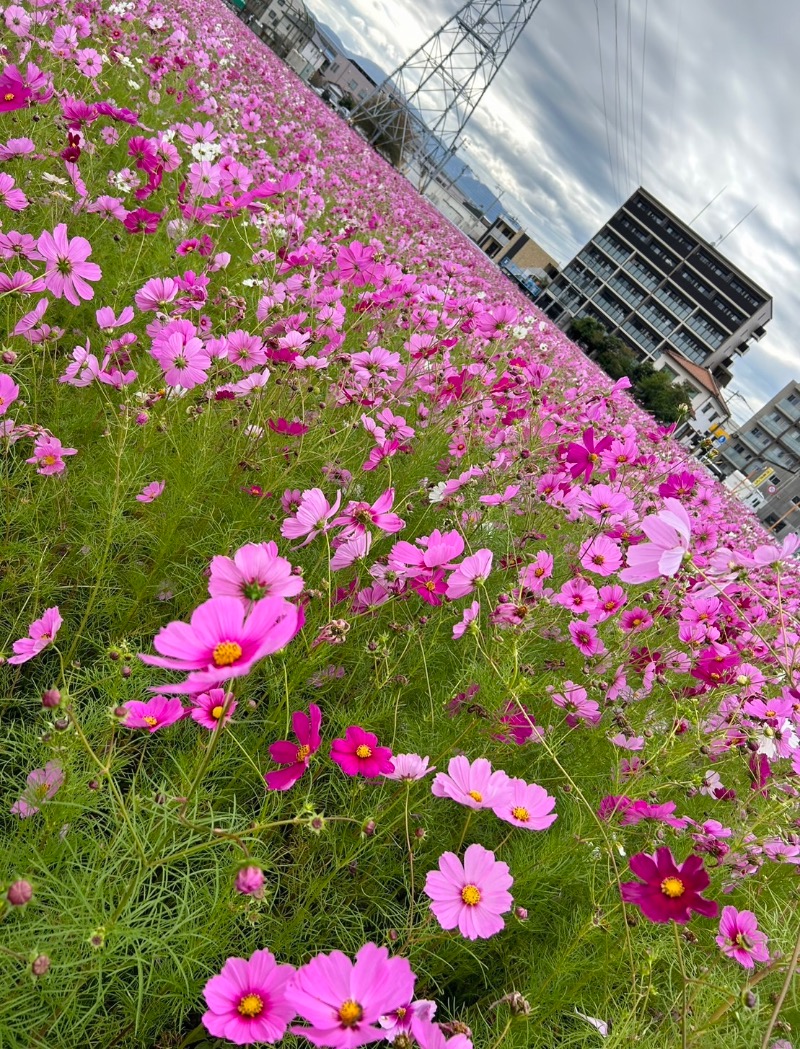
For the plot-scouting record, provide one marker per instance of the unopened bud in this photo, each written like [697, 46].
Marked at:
[521, 914]
[51, 698]
[250, 882]
[40, 965]
[19, 893]
[9, 357]
[369, 828]
[126, 671]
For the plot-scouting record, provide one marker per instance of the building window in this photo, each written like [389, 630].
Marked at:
[793, 398]
[335, 67]
[774, 479]
[796, 500]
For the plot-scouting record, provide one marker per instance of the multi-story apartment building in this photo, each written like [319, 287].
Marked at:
[658, 286]
[766, 450]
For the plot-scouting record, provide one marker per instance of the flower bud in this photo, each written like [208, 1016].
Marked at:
[19, 893]
[521, 914]
[250, 882]
[8, 357]
[51, 698]
[40, 965]
[369, 828]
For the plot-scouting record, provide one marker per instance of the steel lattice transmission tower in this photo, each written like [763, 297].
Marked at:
[417, 114]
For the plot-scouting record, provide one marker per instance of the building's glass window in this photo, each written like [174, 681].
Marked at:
[690, 347]
[613, 247]
[658, 318]
[673, 301]
[639, 271]
[706, 329]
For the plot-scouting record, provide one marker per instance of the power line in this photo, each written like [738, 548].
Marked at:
[605, 107]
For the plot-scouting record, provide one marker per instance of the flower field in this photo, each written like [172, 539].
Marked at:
[372, 668]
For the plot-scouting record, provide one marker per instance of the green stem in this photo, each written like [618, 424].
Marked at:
[684, 1001]
[790, 972]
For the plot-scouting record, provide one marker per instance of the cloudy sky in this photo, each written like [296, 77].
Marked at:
[698, 96]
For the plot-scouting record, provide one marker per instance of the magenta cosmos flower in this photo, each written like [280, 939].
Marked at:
[527, 805]
[358, 754]
[670, 891]
[473, 896]
[155, 713]
[254, 572]
[247, 1002]
[41, 785]
[343, 1001]
[296, 758]
[213, 709]
[473, 785]
[67, 269]
[14, 92]
[669, 532]
[740, 938]
[221, 642]
[41, 633]
[9, 391]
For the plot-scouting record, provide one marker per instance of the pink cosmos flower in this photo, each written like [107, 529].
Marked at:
[48, 455]
[41, 633]
[10, 194]
[357, 517]
[313, 516]
[534, 575]
[256, 571]
[14, 92]
[469, 617]
[296, 758]
[343, 1001]
[358, 754]
[473, 785]
[351, 550]
[67, 269]
[220, 642]
[585, 639]
[41, 785]
[153, 714]
[151, 491]
[473, 896]
[409, 767]
[213, 709]
[439, 550]
[600, 555]
[248, 1001]
[9, 391]
[740, 938]
[576, 702]
[472, 571]
[407, 1018]
[669, 532]
[670, 890]
[528, 805]
[183, 359]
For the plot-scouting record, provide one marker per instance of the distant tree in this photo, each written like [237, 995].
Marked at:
[616, 359]
[348, 102]
[588, 333]
[657, 393]
[386, 125]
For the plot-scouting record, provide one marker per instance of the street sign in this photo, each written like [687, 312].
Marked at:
[762, 476]
[773, 488]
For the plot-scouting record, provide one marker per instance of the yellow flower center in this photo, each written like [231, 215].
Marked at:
[363, 751]
[471, 895]
[475, 795]
[673, 887]
[250, 1006]
[226, 652]
[150, 720]
[742, 941]
[400, 1013]
[350, 1013]
[48, 460]
[303, 752]
[9, 97]
[770, 714]
[216, 713]
[430, 585]
[521, 814]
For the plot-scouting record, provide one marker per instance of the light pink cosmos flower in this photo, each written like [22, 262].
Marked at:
[151, 491]
[343, 1001]
[740, 938]
[669, 532]
[248, 1001]
[184, 360]
[350, 551]
[500, 497]
[313, 516]
[48, 455]
[9, 391]
[409, 767]
[41, 785]
[470, 616]
[407, 1018]
[473, 785]
[220, 642]
[213, 709]
[10, 194]
[41, 633]
[472, 571]
[438, 551]
[152, 714]
[473, 896]
[256, 571]
[528, 806]
[67, 269]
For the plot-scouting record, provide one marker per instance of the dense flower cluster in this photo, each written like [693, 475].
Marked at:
[324, 450]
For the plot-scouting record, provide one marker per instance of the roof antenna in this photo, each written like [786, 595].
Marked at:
[720, 239]
[700, 212]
